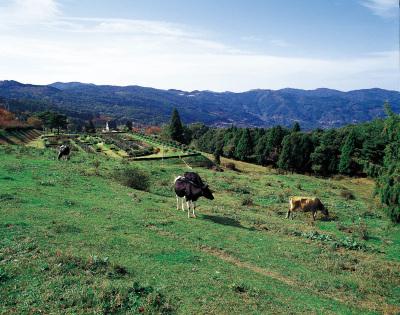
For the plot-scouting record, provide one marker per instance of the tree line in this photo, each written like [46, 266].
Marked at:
[368, 149]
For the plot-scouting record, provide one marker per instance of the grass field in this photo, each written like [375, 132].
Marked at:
[74, 241]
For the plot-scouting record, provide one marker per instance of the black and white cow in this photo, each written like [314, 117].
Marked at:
[189, 188]
[64, 151]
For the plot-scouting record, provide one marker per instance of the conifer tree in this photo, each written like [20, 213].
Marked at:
[296, 127]
[129, 125]
[244, 146]
[296, 151]
[389, 181]
[346, 163]
[175, 127]
[325, 157]
[89, 127]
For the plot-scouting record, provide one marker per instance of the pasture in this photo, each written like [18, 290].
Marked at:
[74, 240]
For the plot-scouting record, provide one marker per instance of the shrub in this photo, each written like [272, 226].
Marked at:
[132, 177]
[363, 231]
[240, 190]
[347, 194]
[247, 201]
[3, 275]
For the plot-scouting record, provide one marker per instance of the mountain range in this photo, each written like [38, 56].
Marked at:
[319, 108]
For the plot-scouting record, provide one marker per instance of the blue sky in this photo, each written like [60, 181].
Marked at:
[217, 45]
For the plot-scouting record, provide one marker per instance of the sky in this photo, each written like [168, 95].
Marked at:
[219, 45]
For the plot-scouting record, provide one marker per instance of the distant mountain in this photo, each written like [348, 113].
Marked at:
[320, 108]
[69, 85]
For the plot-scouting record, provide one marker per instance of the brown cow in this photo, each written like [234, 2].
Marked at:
[306, 204]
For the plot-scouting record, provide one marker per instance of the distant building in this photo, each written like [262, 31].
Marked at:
[111, 126]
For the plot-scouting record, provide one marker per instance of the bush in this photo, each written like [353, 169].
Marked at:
[363, 231]
[247, 201]
[347, 194]
[132, 177]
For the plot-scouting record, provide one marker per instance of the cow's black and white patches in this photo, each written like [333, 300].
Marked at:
[188, 189]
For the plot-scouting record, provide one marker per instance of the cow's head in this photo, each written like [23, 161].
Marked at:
[325, 211]
[207, 192]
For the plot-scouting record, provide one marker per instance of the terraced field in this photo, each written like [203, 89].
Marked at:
[74, 240]
[19, 136]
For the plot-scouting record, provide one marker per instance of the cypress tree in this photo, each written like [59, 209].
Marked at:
[284, 161]
[346, 163]
[296, 151]
[325, 157]
[244, 146]
[296, 127]
[129, 125]
[175, 127]
[389, 180]
[90, 128]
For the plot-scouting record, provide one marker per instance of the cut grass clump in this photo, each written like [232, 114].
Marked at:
[247, 201]
[363, 231]
[66, 264]
[240, 190]
[136, 299]
[132, 177]
[240, 288]
[3, 275]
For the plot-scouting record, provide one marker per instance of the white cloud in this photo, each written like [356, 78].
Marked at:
[383, 8]
[28, 11]
[167, 55]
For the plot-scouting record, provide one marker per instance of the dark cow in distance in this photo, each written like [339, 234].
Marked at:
[64, 151]
[189, 188]
[305, 204]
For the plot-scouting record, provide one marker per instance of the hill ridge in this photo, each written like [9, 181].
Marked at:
[318, 108]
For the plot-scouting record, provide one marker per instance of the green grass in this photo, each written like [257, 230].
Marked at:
[72, 240]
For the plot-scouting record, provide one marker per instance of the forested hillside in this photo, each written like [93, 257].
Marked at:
[320, 108]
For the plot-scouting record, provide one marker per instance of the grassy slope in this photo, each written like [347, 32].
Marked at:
[60, 221]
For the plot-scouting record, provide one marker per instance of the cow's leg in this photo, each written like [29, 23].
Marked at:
[314, 215]
[194, 207]
[183, 200]
[288, 214]
[177, 202]
[188, 207]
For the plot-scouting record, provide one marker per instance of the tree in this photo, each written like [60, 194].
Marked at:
[53, 120]
[325, 159]
[217, 153]
[60, 121]
[296, 151]
[346, 164]
[129, 125]
[176, 127]
[274, 144]
[296, 127]
[388, 183]
[89, 127]
[245, 146]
